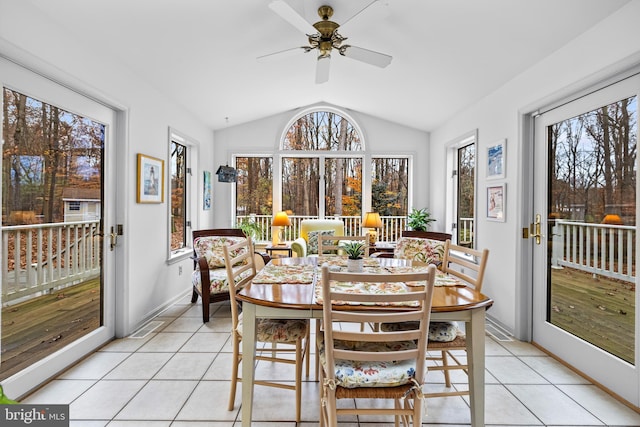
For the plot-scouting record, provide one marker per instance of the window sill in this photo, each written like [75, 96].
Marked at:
[179, 255]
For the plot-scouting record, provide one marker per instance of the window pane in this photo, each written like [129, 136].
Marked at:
[178, 196]
[466, 194]
[254, 185]
[389, 186]
[592, 215]
[343, 187]
[52, 172]
[300, 185]
[322, 130]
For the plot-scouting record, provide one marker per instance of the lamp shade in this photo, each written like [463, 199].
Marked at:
[372, 220]
[281, 219]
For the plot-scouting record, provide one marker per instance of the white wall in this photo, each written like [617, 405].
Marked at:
[263, 137]
[609, 47]
[147, 283]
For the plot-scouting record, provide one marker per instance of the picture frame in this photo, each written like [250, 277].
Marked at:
[496, 164]
[496, 202]
[206, 190]
[150, 181]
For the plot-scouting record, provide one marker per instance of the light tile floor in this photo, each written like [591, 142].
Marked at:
[178, 376]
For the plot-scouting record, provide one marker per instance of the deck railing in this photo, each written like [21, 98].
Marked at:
[39, 258]
[606, 250]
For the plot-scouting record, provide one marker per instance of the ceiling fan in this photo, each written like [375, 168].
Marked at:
[323, 36]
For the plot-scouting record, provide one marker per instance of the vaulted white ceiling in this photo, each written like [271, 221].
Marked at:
[447, 54]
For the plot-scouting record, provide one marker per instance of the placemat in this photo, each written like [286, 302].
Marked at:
[291, 274]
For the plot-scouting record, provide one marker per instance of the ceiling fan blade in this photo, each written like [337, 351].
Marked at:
[279, 55]
[365, 55]
[322, 69]
[287, 13]
[375, 12]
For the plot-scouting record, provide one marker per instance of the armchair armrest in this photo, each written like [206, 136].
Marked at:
[299, 246]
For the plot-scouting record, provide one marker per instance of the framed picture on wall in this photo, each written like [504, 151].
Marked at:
[496, 197]
[150, 179]
[206, 191]
[496, 160]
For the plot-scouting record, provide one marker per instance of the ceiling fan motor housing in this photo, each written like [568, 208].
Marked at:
[329, 38]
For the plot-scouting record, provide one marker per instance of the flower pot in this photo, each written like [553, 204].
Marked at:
[355, 265]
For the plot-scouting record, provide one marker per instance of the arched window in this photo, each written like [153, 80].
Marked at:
[322, 166]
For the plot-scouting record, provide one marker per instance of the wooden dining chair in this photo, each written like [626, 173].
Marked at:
[292, 333]
[328, 245]
[368, 365]
[469, 266]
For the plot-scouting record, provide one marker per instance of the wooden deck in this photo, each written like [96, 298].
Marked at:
[34, 329]
[600, 310]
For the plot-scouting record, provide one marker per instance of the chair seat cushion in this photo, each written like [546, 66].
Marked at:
[353, 374]
[278, 330]
[438, 331]
[218, 279]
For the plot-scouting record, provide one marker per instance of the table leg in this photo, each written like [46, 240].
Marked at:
[475, 332]
[248, 360]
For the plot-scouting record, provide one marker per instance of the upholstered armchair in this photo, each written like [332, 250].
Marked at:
[307, 243]
[209, 277]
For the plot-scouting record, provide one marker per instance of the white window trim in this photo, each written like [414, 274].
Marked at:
[193, 147]
[452, 182]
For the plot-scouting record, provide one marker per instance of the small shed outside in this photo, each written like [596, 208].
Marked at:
[81, 204]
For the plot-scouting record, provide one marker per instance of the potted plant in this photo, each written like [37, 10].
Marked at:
[354, 251]
[419, 219]
[250, 228]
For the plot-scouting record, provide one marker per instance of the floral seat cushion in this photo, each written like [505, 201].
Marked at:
[218, 279]
[278, 330]
[438, 331]
[352, 374]
[424, 250]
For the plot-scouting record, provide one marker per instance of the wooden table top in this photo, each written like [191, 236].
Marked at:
[301, 296]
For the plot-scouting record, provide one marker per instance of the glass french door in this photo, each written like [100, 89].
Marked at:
[585, 210]
[58, 297]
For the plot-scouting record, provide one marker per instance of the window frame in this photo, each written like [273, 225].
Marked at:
[191, 191]
[452, 196]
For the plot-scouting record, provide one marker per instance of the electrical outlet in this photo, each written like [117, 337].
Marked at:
[179, 270]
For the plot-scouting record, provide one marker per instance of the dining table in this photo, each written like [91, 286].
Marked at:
[286, 289]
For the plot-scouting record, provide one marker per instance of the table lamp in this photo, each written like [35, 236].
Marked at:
[279, 220]
[372, 221]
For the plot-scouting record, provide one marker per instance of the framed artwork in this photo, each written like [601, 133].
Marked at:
[206, 191]
[150, 179]
[496, 160]
[496, 197]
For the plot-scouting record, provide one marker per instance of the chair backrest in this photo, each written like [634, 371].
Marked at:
[241, 269]
[331, 244]
[420, 249]
[433, 235]
[421, 295]
[465, 263]
[198, 235]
